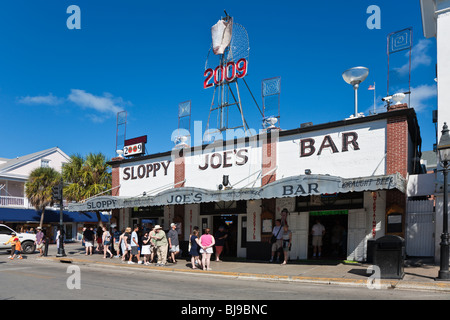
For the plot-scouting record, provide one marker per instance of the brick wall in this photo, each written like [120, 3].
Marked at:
[397, 145]
[397, 160]
[179, 170]
[115, 182]
[115, 175]
[269, 158]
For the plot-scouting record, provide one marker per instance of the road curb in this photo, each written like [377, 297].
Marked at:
[381, 284]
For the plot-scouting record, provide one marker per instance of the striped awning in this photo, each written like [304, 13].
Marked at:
[302, 185]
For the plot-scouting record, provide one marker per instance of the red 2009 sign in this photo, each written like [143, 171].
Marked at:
[226, 73]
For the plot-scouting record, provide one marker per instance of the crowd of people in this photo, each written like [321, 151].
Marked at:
[153, 244]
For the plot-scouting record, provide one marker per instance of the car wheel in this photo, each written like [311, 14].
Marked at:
[28, 247]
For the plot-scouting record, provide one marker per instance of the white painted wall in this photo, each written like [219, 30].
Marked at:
[421, 184]
[369, 160]
[56, 159]
[437, 24]
[152, 184]
[443, 54]
[240, 175]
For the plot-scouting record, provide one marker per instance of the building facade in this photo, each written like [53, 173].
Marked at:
[350, 175]
[15, 209]
[436, 23]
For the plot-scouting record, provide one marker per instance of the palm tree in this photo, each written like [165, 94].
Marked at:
[86, 177]
[96, 175]
[38, 188]
[71, 173]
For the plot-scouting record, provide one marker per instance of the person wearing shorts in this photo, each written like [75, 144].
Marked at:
[146, 248]
[134, 246]
[207, 243]
[276, 247]
[17, 249]
[88, 236]
[317, 232]
[40, 242]
[174, 245]
[116, 239]
[287, 243]
[124, 241]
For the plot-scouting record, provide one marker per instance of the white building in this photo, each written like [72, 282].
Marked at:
[436, 23]
[352, 172]
[15, 209]
[14, 174]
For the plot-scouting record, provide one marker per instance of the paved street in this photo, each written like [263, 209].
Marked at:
[34, 278]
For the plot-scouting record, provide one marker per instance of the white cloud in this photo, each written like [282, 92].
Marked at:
[49, 99]
[105, 104]
[419, 57]
[96, 119]
[421, 95]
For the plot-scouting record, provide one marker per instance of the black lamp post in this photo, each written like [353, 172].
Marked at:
[444, 159]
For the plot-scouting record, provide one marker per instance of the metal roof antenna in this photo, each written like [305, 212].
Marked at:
[226, 64]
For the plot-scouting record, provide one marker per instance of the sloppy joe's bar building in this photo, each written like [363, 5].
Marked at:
[348, 174]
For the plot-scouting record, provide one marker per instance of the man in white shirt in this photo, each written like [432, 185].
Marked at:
[135, 246]
[317, 232]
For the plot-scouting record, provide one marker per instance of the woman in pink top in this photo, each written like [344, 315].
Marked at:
[206, 244]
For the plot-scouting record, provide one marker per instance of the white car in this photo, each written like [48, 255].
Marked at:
[26, 239]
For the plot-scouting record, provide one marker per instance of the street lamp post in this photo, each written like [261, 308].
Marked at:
[444, 159]
[61, 252]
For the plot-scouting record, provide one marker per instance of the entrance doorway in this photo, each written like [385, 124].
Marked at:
[230, 224]
[334, 241]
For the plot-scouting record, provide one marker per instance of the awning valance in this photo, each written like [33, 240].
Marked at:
[50, 216]
[302, 185]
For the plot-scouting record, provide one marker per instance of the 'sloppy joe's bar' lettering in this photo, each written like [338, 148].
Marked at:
[145, 171]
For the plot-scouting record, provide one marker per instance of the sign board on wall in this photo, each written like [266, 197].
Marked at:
[287, 187]
[135, 146]
[356, 150]
[134, 149]
[150, 176]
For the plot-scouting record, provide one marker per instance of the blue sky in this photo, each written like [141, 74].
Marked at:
[61, 87]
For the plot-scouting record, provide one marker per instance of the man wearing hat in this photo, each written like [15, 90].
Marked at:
[161, 245]
[40, 242]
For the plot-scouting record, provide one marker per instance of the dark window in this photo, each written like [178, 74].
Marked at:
[351, 200]
[148, 212]
[5, 230]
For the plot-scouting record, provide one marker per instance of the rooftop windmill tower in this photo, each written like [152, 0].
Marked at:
[226, 65]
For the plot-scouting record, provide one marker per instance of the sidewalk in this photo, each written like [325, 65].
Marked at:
[419, 275]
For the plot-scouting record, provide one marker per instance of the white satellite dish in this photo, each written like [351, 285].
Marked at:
[398, 97]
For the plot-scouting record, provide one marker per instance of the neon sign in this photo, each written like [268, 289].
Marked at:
[225, 73]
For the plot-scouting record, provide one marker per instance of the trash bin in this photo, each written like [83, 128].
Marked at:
[389, 256]
[370, 250]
